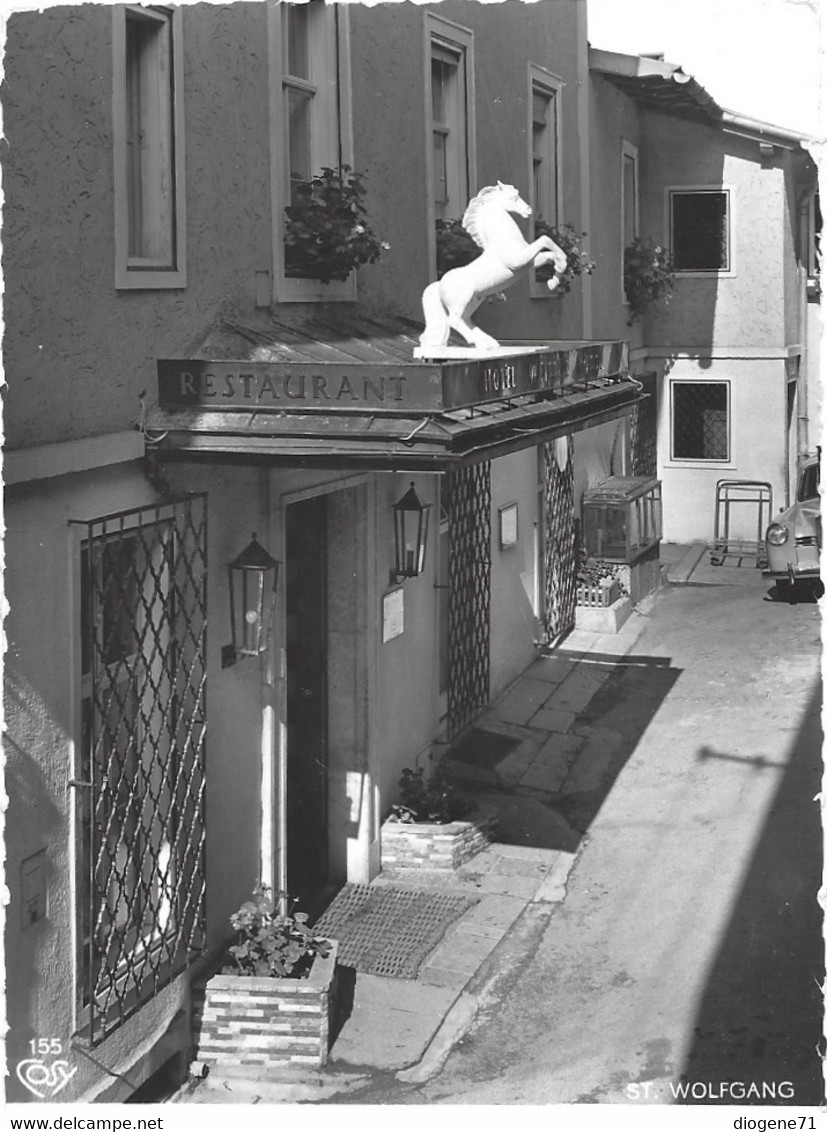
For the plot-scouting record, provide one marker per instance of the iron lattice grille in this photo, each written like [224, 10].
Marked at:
[560, 541]
[469, 593]
[700, 420]
[142, 790]
[644, 429]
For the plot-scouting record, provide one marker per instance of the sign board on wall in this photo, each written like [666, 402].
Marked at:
[393, 615]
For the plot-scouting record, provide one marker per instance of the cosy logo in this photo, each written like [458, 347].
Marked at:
[45, 1079]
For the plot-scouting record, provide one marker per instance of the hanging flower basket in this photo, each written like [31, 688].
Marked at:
[326, 234]
[571, 241]
[454, 246]
[648, 276]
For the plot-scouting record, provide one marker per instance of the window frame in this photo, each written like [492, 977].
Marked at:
[332, 55]
[157, 591]
[135, 272]
[628, 151]
[700, 461]
[542, 81]
[727, 272]
[446, 36]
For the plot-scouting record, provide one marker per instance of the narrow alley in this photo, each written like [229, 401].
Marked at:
[687, 954]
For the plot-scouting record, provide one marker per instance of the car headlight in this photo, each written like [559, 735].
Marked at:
[777, 535]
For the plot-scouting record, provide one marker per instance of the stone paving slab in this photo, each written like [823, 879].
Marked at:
[521, 701]
[573, 697]
[553, 719]
[444, 978]
[391, 1022]
[513, 886]
[514, 867]
[493, 915]
[544, 857]
[547, 778]
[553, 669]
[514, 766]
[460, 951]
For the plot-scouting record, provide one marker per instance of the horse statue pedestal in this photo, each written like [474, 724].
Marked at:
[449, 303]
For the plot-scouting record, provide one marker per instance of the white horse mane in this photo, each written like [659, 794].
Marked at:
[449, 303]
[470, 219]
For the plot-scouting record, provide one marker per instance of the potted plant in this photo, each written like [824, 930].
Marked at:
[648, 276]
[270, 1007]
[571, 241]
[433, 826]
[326, 234]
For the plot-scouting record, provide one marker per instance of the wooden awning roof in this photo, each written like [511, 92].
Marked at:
[334, 390]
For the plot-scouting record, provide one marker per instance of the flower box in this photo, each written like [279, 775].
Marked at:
[603, 619]
[253, 1026]
[444, 846]
[601, 594]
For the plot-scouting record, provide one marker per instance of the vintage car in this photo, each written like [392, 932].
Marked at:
[793, 538]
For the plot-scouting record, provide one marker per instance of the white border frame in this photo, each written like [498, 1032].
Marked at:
[284, 289]
[459, 39]
[713, 273]
[539, 77]
[673, 461]
[135, 278]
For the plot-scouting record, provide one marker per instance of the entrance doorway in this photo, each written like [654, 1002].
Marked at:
[306, 643]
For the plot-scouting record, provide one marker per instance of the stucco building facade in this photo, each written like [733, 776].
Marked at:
[151, 782]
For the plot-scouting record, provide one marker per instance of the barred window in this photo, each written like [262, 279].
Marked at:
[140, 781]
[700, 420]
[700, 224]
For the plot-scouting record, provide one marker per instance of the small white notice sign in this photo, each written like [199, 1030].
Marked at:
[393, 615]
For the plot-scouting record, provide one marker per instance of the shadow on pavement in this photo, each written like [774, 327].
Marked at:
[567, 776]
[760, 1018]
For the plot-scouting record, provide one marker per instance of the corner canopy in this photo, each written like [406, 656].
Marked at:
[334, 390]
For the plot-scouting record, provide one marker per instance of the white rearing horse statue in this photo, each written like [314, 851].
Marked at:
[449, 303]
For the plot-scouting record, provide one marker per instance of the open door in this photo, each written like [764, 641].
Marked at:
[306, 585]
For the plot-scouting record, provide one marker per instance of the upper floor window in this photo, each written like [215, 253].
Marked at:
[148, 137]
[451, 118]
[700, 229]
[545, 144]
[629, 205]
[544, 173]
[310, 124]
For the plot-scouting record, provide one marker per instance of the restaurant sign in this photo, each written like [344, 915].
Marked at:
[390, 387]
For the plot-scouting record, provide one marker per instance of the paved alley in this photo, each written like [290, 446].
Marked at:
[687, 953]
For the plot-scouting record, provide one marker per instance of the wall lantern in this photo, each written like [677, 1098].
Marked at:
[410, 525]
[253, 578]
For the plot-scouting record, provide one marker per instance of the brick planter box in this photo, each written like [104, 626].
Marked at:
[253, 1026]
[429, 845]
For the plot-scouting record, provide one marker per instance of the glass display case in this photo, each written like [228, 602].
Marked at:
[622, 518]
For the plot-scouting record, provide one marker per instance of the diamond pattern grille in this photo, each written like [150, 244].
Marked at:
[560, 560]
[469, 593]
[700, 420]
[644, 430]
[142, 784]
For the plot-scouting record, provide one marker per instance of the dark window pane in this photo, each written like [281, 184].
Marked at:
[700, 421]
[700, 231]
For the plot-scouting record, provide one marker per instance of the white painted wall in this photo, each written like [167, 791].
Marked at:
[757, 413]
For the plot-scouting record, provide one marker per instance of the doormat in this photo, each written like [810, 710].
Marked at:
[483, 748]
[389, 931]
